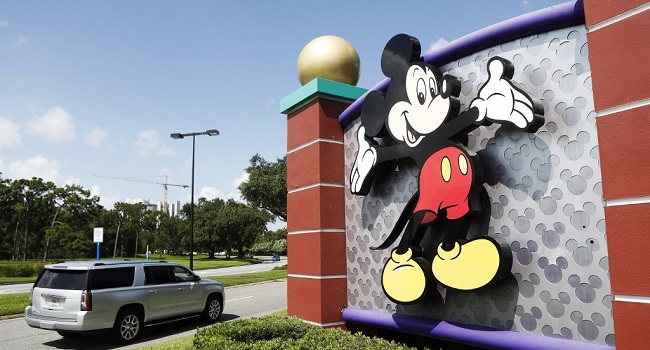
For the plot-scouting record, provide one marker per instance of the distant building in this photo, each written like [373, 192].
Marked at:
[173, 208]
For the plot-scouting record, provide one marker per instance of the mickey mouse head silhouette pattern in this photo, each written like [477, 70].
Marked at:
[418, 118]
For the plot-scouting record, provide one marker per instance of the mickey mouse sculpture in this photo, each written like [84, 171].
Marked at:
[418, 118]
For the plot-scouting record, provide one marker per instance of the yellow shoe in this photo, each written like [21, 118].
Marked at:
[403, 279]
[469, 266]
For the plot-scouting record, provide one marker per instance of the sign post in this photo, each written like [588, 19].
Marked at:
[98, 237]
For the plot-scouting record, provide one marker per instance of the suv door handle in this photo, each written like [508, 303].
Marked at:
[153, 291]
[181, 289]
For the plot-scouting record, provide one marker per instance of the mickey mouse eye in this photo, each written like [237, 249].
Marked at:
[421, 90]
[433, 87]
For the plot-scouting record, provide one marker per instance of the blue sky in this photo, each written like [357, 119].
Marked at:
[96, 87]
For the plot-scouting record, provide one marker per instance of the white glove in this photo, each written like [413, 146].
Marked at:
[500, 101]
[366, 159]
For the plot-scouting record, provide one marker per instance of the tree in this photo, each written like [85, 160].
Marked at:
[170, 237]
[239, 225]
[130, 222]
[37, 218]
[206, 232]
[10, 196]
[35, 205]
[73, 206]
[266, 187]
[148, 229]
[271, 242]
[227, 226]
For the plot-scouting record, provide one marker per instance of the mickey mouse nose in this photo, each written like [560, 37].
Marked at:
[450, 87]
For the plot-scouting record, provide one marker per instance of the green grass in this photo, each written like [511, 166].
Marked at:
[182, 343]
[12, 304]
[247, 278]
[202, 262]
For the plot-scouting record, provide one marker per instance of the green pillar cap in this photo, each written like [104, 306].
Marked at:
[319, 86]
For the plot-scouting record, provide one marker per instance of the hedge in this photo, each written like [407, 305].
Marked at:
[284, 333]
[277, 247]
[20, 269]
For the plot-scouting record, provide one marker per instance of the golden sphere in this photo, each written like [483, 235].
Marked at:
[329, 57]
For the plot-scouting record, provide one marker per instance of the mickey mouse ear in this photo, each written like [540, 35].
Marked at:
[400, 51]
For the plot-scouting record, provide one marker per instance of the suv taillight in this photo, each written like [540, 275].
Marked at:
[31, 295]
[86, 301]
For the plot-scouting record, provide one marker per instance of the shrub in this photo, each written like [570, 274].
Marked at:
[284, 333]
[280, 247]
[266, 248]
[240, 334]
[261, 248]
[333, 339]
[21, 269]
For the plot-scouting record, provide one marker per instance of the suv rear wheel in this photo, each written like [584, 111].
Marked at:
[212, 309]
[127, 325]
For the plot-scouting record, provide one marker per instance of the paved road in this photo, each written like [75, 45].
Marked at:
[266, 265]
[241, 302]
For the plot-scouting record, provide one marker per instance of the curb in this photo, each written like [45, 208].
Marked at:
[256, 283]
[10, 317]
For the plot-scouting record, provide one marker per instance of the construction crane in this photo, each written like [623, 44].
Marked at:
[165, 184]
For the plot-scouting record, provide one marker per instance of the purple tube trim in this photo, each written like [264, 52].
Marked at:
[466, 334]
[555, 17]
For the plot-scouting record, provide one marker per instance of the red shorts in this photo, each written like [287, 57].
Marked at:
[445, 181]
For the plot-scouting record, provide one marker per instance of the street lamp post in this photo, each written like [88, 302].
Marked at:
[211, 132]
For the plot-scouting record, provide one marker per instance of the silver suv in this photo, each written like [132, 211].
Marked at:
[123, 296]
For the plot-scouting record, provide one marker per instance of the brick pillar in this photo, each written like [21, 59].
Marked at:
[618, 33]
[316, 285]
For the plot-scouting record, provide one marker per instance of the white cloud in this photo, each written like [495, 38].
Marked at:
[209, 192]
[234, 191]
[38, 166]
[4, 24]
[150, 144]
[55, 125]
[525, 3]
[269, 103]
[71, 181]
[107, 200]
[97, 137]
[21, 41]
[10, 138]
[438, 44]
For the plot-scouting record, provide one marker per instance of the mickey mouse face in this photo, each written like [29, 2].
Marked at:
[588, 329]
[481, 310]
[378, 299]
[553, 272]
[586, 292]
[583, 255]
[555, 307]
[425, 109]
[529, 320]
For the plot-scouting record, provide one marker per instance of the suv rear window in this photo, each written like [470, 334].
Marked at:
[63, 279]
[112, 278]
